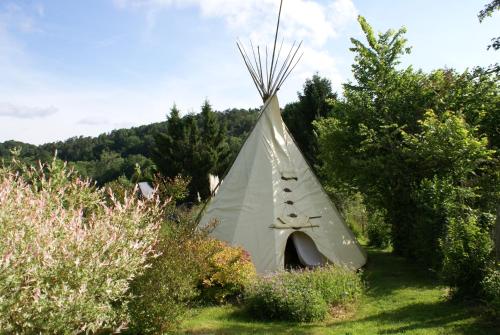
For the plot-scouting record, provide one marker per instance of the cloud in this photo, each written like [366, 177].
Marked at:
[301, 19]
[313, 22]
[96, 120]
[22, 18]
[93, 121]
[24, 112]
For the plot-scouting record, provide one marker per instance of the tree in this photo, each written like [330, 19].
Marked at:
[170, 146]
[488, 12]
[215, 146]
[313, 104]
[409, 142]
[192, 146]
[361, 143]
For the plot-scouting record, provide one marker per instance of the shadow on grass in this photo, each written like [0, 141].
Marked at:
[425, 316]
[385, 272]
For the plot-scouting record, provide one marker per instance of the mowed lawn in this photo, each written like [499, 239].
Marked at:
[400, 299]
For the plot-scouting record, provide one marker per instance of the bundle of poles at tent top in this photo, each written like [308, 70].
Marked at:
[269, 78]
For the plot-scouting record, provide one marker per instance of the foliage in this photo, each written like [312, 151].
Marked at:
[120, 188]
[173, 151]
[109, 156]
[487, 12]
[163, 293]
[302, 296]
[356, 214]
[466, 250]
[448, 150]
[226, 271]
[378, 231]
[282, 297]
[489, 9]
[336, 285]
[67, 258]
[360, 144]
[491, 290]
[313, 104]
[172, 190]
[193, 148]
[396, 130]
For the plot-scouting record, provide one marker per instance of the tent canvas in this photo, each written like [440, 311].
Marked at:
[271, 192]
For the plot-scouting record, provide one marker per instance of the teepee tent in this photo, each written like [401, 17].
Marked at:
[270, 202]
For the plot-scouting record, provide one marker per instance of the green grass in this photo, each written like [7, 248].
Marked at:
[400, 299]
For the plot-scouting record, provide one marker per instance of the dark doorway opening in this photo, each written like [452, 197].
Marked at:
[301, 252]
[292, 260]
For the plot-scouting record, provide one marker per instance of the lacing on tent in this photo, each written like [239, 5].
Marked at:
[291, 216]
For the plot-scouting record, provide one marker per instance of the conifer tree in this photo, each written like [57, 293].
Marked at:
[170, 146]
[193, 146]
[314, 103]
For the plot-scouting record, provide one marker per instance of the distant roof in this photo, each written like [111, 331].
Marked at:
[146, 190]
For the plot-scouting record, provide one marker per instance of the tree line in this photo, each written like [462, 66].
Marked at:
[138, 153]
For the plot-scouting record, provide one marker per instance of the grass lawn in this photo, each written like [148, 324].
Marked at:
[400, 299]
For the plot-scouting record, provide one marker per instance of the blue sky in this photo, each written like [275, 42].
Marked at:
[73, 68]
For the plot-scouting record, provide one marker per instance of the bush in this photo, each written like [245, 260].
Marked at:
[67, 258]
[302, 296]
[491, 290]
[466, 256]
[163, 293]
[226, 271]
[190, 267]
[378, 231]
[336, 285]
[285, 297]
[356, 215]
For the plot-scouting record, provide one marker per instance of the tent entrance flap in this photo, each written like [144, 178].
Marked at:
[302, 249]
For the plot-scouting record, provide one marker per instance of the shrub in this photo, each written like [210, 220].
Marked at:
[337, 285]
[302, 296]
[172, 189]
[356, 215]
[466, 256]
[225, 271]
[285, 297]
[163, 293]
[378, 231]
[120, 188]
[67, 258]
[491, 290]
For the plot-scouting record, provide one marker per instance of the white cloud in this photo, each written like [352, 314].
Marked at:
[93, 121]
[301, 19]
[25, 112]
[96, 107]
[343, 11]
[22, 18]
[311, 21]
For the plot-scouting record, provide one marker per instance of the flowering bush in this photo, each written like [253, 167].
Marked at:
[226, 271]
[67, 258]
[302, 296]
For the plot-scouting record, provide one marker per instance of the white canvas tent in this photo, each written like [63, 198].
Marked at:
[270, 196]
